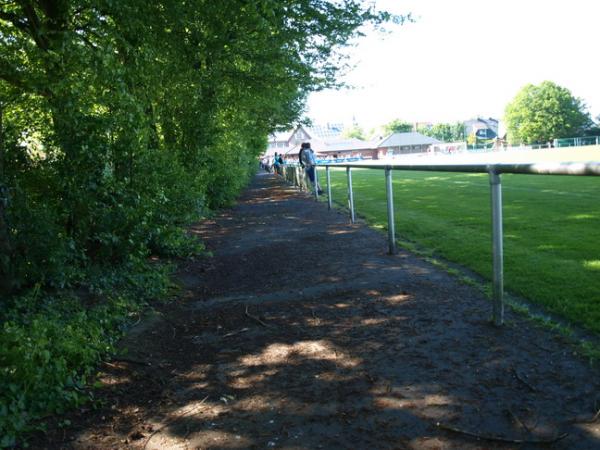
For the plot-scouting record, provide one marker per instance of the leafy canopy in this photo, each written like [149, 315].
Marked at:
[445, 132]
[397, 126]
[354, 131]
[541, 113]
[121, 122]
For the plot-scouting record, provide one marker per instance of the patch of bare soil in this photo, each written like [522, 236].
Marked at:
[302, 333]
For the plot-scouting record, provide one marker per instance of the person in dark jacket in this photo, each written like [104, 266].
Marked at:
[308, 162]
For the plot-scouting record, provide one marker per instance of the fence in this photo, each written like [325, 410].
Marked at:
[556, 143]
[577, 142]
[296, 176]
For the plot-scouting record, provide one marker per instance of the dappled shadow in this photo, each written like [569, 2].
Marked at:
[360, 370]
[302, 333]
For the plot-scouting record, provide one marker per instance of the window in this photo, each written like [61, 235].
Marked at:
[485, 133]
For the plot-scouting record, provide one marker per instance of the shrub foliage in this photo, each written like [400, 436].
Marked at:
[121, 121]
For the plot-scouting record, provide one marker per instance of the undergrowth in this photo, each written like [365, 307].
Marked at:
[51, 342]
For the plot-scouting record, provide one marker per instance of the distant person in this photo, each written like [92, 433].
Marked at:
[276, 163]
[281, 163]
[308, 162]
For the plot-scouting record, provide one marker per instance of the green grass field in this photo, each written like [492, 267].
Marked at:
[551, 229]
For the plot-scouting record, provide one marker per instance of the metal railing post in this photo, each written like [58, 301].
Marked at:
[350, 194]
[328, 187]
[390, 211]
[301, 175]
[497, 249]
[316, 182]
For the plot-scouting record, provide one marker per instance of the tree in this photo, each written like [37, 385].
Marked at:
[355, 131]
[445, 132]
[397, 126]
[539, 114]
[594, 127]
[146, 112]
[121, 122]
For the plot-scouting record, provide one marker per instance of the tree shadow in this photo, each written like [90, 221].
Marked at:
[303, 333]
[364, 369]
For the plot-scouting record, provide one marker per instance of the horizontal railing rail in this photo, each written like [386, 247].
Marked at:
[546, 168]
[494, 171]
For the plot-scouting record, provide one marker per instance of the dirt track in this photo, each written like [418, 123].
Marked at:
[301, 332]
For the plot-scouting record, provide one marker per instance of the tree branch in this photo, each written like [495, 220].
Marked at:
[15, 20]
[34, 24]
[17, 80]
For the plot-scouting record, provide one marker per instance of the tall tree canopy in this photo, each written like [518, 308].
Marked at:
[123, 119]
[354, 131]
[545, 112]
[120, 122]
[445, 132]
[397, 126]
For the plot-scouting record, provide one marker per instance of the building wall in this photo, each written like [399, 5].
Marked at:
[403, 150]
[277, 144]
[364, 153]
[298, 137]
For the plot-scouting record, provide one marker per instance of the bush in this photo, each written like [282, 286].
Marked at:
[50, 346]
[117, 128]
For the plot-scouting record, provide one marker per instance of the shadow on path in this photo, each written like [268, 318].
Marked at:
[301, 332]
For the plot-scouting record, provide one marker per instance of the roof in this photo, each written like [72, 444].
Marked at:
[333, 146]
[327, 131]
[322, 132]
[490, 122]
[349, 144]
[411, 138]
[281, 136]
[316, 145]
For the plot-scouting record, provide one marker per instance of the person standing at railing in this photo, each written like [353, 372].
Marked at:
[280, 164]
[268, 163]
[308, 162]
[276, 164]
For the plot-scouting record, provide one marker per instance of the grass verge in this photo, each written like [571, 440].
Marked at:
[551, 230]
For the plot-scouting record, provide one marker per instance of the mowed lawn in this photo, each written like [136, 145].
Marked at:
[551, 229]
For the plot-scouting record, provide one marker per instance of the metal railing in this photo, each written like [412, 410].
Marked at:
[576, 141]
[493, 170]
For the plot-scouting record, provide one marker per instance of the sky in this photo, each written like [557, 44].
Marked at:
[465, 58]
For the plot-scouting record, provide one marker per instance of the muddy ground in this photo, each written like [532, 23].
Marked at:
[301, 333]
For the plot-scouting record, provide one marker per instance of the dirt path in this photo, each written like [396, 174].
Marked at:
[303, 333]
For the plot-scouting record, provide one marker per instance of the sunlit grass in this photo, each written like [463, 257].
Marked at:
[551, 229]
